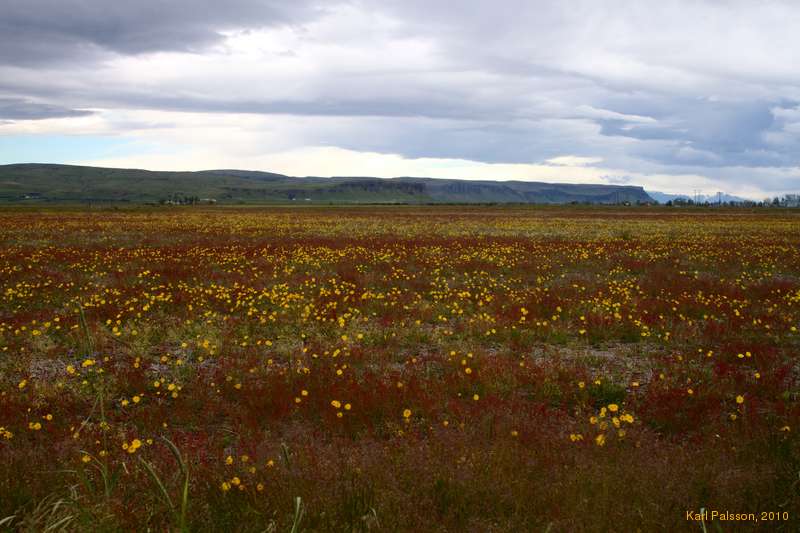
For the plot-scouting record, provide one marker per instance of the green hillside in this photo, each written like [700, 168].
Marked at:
[34, 183]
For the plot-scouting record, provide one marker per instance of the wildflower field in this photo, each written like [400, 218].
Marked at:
[399, 369]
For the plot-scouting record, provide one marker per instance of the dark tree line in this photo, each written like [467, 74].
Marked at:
[788, 200]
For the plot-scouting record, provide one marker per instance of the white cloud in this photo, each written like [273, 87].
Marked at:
[574, 160]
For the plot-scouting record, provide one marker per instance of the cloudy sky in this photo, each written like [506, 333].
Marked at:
[672, 95]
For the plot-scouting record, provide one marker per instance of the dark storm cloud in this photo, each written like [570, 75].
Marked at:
[19, 109]
[71, 31]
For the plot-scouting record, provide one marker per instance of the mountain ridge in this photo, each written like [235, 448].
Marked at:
[27, 182]
[663, 197]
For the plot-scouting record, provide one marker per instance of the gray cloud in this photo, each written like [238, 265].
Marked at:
[714, 133]
[68, 31]
[20, 109]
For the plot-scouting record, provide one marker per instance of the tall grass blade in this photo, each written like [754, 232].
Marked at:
[298, 514]
[164, 493]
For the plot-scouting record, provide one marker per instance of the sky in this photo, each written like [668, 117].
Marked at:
[674, 95]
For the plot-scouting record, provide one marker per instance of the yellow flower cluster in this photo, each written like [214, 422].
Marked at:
[131, 447]
[607, 420]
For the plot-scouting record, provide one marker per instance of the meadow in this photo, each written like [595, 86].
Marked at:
[399, 369]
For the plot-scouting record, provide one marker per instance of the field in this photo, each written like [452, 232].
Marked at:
[399, 369]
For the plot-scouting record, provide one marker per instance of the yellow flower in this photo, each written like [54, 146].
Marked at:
[70, 369]
[740, 399]
[407, 413]
[137, 399]
[613, 407]
[600, 440]
[85, 458]
[22, 384]
[134, 445]
[336, 403]
[229, 460]
[476, 397]
[225, 486]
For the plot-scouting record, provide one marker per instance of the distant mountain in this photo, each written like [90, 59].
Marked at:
[662, 197]
[68, 183]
